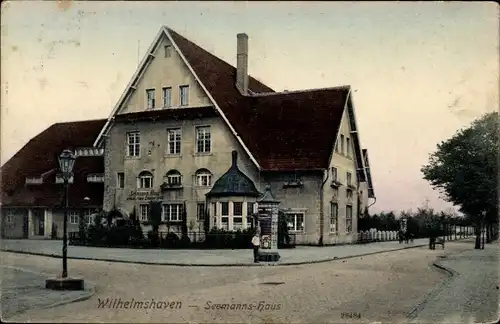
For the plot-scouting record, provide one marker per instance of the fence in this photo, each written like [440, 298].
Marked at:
[374, 235]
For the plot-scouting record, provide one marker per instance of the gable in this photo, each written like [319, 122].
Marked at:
[164, 72]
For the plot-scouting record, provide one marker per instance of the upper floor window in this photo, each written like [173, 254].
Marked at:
[334, 174]
[174, 141]
[168, 50]
[173, 177]
[203, 178]
[120, 179]
[184, 95]
[349, 178]
[150, 94]
[167, 97]
[348, 146]
[133, 144]
[145, 180]
[342, 144]
[203, 139]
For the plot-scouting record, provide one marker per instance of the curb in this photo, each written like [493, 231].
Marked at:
[56, 256]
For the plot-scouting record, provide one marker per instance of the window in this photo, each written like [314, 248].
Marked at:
[174, 141]
[150, 94]
[203, 178]
[9, 218]
[200, 211]
[215, 208]
[334, 174]
[334, 214]
[120, 180]
[348, 146]
[167, 97]
[144, 213]
[237, 223]
[203, 140]
[173, 177]
[172, 212]
[145, 180]
[184, 95]
[133, 144]
[225, 209]
[295, 222]
[225, 223]
[168, 51]
[349, 194]
[250, 208]
[349, 178]
[337, 147]
[348, 219]
[341, 144]
[73, 217]
[237, 208]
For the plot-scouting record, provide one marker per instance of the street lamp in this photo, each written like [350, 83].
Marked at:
[66, 163]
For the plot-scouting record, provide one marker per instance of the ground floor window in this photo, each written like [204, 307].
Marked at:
[9, 217]
[200, 211]
[237, 223]
[225, 223]
[348, 219]
[334, 214]
[295, 222]
[73, 216]
[172, 212]
[144, 213]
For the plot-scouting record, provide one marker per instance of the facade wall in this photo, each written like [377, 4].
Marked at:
[12, 222]
[165, 72]
[343, 160]
[155, 159]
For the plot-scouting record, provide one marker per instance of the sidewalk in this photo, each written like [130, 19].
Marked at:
[470, 295]
[299, 255]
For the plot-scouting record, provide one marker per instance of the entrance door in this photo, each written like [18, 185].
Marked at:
[39, 219]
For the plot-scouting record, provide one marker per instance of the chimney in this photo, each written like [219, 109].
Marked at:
[234, 155]
[242, 63]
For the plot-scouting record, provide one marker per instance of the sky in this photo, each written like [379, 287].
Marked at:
[420, 71]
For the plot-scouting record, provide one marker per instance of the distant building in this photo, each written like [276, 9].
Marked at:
[171, 136]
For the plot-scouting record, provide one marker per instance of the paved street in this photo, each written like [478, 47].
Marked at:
[22, 290]
[381, 287]
[301, 254]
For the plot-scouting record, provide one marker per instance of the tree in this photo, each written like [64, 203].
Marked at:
[465, 169]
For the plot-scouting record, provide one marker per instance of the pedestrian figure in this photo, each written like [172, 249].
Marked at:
[256, 245]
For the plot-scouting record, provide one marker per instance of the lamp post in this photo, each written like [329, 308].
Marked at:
[66, 163]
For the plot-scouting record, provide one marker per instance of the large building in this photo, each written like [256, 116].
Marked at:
[172, 134]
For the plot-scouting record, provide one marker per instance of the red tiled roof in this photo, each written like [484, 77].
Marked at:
[284, 131]
[40, 155]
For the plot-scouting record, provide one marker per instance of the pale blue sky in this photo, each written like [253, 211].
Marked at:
[421, 70]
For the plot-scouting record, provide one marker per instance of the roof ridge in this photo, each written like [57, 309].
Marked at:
[265, 94]
[79, 121]
[218, 58]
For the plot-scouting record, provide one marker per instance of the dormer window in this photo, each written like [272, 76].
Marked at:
[60, 179]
